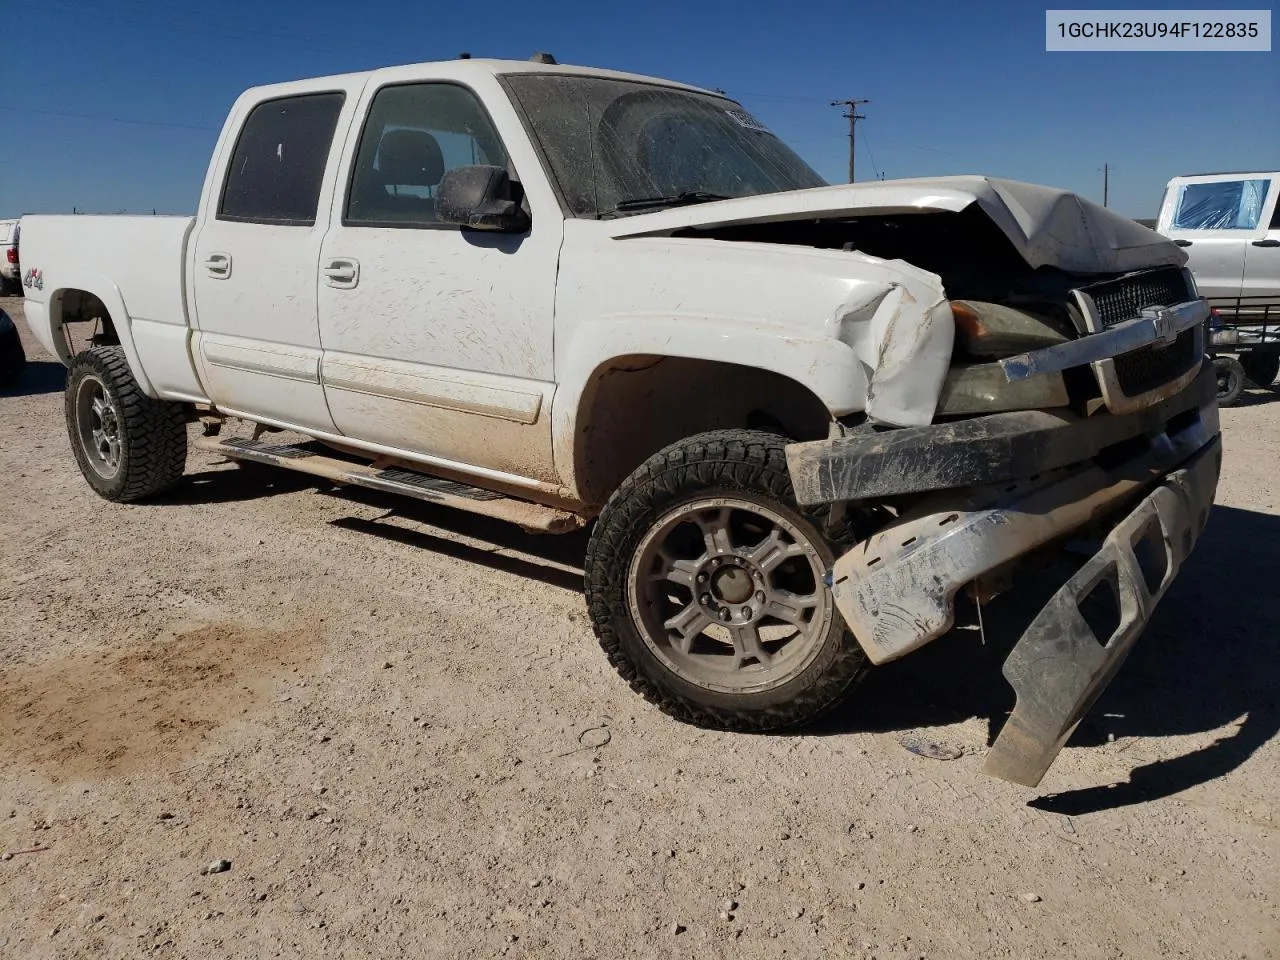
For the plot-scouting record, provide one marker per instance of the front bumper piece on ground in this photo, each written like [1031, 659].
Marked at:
[1059, 667]
[897, 589]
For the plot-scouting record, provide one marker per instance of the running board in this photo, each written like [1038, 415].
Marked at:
[408, 483]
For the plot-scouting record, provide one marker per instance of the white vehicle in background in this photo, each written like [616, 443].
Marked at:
[1229, 224]
[10, 273]
[801, 417]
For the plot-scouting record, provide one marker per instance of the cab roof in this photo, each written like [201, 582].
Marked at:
[469, 67]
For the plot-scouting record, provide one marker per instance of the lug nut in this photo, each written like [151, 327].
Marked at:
[725, 614]
[746, 613]
[760, 596]
[706, 599]
[702, 578]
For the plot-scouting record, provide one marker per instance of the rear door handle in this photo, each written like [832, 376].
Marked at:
[343, 274]
[1266, 243]
[1183, 243]
[218, 265]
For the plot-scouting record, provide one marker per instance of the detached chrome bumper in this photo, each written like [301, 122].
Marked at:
[896, 590]
[1059, 667]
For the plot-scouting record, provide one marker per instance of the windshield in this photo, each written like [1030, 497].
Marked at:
[638, 146]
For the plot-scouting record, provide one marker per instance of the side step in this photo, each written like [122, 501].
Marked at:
[409, 483]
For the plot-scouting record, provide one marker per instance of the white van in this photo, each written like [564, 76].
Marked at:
[10, 274]
[1229, 224]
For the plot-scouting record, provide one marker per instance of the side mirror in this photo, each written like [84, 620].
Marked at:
[481, 197]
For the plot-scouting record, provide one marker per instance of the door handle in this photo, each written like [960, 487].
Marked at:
[1266, 243]
[1183, 243]
[218, 265]
[343, 274]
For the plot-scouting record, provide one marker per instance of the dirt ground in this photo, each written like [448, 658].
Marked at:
[394, 722]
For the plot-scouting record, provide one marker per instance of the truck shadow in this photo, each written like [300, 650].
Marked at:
[241, 483]
[38, 377]
[1206, 662]
[1256, 396]
[555, 560]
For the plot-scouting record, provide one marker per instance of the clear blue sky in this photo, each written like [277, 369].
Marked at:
[956, 87]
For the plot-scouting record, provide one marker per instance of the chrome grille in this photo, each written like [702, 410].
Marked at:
[1148, 368]
[1124, 297]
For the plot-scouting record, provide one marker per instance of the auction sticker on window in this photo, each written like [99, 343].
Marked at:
[744, 119]
[1171, 30]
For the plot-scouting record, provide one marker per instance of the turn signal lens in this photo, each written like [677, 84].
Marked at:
[968, 323]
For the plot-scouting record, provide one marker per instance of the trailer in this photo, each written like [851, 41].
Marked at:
[1244, 343]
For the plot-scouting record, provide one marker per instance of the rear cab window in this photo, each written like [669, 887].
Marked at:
[277, 168]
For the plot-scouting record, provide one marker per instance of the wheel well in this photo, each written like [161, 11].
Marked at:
[636, 405]
[81, 306]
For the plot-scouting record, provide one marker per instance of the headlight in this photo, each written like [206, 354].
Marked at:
[991, 331]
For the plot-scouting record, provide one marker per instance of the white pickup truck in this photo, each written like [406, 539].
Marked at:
[801, 417]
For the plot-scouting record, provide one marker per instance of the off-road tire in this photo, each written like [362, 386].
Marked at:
[1231, 379]
[12, 357]
[153, 433]
[1261, 368]
[732, 463]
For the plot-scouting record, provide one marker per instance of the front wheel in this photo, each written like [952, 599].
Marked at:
[705, 585]
[128, 445]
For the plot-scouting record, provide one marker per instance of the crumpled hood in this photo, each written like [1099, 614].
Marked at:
[1047, 226]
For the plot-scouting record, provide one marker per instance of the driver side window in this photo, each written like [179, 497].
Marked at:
[413, 135]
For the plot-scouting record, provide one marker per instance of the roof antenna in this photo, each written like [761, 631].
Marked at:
[541, 57]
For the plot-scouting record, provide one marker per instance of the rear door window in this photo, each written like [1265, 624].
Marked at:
[1221, 205]
[279, 161]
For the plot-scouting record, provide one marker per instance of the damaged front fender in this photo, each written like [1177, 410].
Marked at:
[905, 340]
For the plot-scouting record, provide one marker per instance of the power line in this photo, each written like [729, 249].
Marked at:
[866, 142]
[204, 30]
[106, 119]
[777, 96]
[853, 116]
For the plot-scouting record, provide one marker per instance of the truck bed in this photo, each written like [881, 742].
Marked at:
[138, 261]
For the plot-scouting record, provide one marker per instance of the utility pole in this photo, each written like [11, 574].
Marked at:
[853, 116]
[1106, 183]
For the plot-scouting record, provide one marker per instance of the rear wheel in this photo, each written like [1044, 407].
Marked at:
[128, 445]
[1261, 368]
[705, 586]
[1230, 379]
